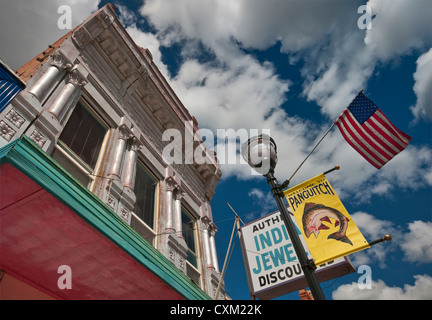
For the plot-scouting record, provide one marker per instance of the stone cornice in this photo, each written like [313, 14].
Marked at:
[137, 86]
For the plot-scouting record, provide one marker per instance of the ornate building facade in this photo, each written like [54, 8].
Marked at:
[96, 104]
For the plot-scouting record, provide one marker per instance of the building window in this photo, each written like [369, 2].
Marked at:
[189, 234]
[145, 192]
[84, 135]
[80, 143]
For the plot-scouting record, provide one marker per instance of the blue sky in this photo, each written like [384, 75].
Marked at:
[292, 67]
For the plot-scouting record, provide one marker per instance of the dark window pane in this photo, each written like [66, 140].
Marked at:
[83, 134]
[188, 232]
[145, 187]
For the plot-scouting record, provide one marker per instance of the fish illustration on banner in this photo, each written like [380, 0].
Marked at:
[314, 216]
[328, 229]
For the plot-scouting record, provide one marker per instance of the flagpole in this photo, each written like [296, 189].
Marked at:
[286, 183]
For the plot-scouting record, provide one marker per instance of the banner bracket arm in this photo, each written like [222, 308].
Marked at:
[387, 237]
[310, 264]
[332, 169]
[286, 182]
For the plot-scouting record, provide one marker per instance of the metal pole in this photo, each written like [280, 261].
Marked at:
[307, 266]
[316, 146]
[222, 275]
[387, 237]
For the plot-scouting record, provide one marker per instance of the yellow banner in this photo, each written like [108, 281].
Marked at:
[328, 229]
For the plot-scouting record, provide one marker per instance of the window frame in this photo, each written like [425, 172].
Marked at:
[196, 253]
[141, 163]
[71, 156]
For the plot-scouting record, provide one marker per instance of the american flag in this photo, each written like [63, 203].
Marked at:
[370, 133]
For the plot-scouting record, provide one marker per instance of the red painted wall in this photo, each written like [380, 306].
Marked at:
[13, 289]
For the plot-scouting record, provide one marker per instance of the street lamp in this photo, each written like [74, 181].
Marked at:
[260, 152]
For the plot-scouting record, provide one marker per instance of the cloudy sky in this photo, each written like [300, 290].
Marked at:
[291, 67]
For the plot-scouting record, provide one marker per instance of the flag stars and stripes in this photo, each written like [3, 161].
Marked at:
[370, 133]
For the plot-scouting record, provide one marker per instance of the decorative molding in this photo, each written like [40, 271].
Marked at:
[179, 194]
[111, 202]
[6, 131]
[206, 222]
[125, 214]
[135, 143]
[105, 18]
[76, 78]
[59, 61]
[171, 254]
[81, 37]
[124, 132]
[15, 118]
[182, 264]
[38, 138]
[49, 79]
[212, 229]
[170, 183]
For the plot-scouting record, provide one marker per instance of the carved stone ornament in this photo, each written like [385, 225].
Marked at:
[124, 132]
[171, 254]
[171, 184]
[182, 263]
[124, 213]
[212, 229]
[111, 202]
[5, 131]
[179, 194]
[135, 144]
[206, 222]
[38, 138]
[76, 79]
[59, 61]
[15, 118]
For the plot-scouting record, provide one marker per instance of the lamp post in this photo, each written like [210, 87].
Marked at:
[260, 152]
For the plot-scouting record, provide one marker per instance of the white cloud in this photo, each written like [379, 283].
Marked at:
[235, 91]
[326, 36]
[422, 87]
[349, 58]
[409, 168]
[373, 229]
[417, 243]
[28, 27]
[399, 27]
[126, 16]
[342, 72]
[262, 202]
[265, 200]
[421, 290]
[239, 95]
